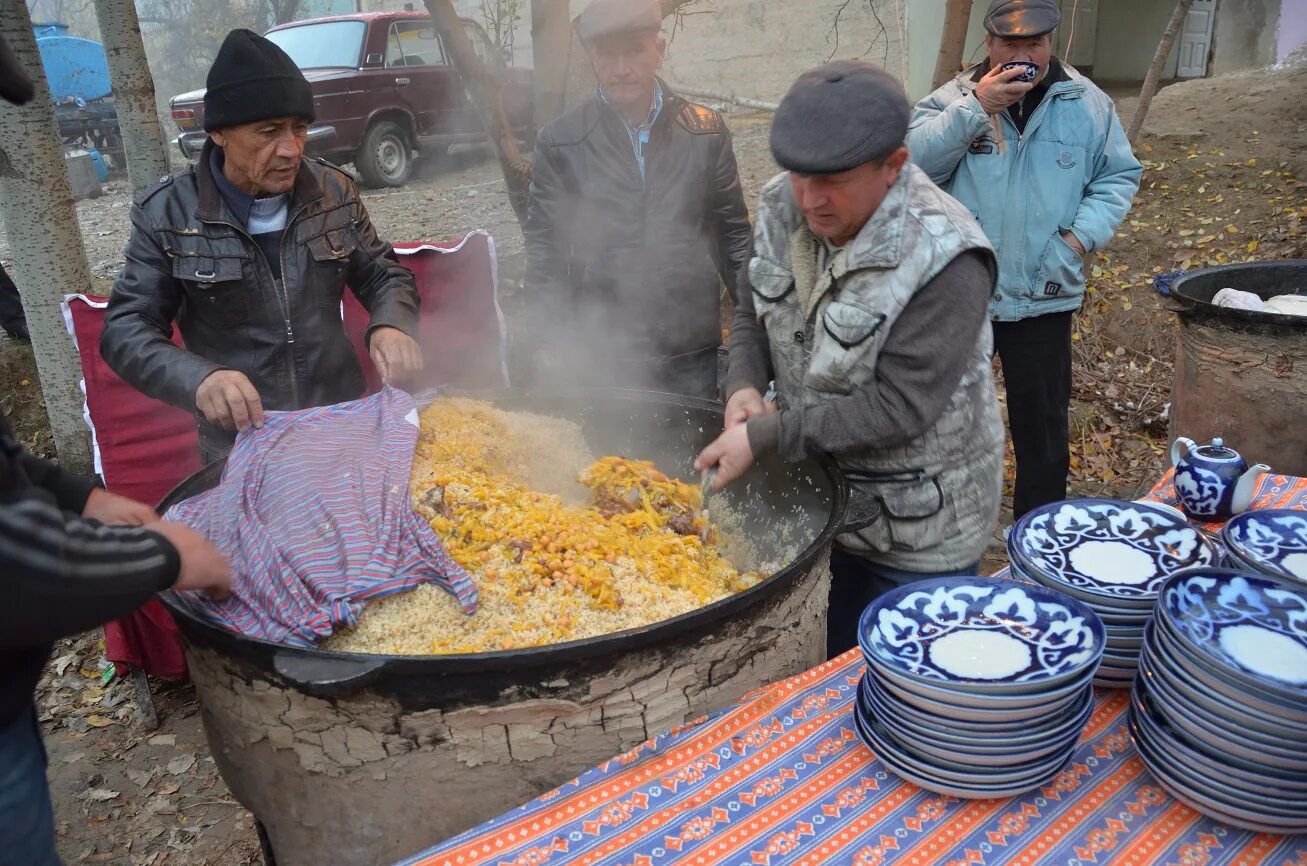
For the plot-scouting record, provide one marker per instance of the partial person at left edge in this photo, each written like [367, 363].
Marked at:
[249, 252]
[72, 556]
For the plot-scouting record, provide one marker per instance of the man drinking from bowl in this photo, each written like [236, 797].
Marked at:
[1045, 167]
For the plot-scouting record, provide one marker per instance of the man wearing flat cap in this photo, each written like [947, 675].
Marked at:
[636, 218]
[865, 301]
[249, 252]
[1046, 168]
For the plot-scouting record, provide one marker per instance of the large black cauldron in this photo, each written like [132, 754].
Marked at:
[350, 758]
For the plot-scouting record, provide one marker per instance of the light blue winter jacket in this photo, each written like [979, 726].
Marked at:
[1072, 169]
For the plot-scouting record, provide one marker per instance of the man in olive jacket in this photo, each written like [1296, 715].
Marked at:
[249, 251]
[636, 218]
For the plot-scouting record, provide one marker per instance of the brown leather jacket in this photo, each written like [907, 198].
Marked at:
[631, 266]
[190, 261]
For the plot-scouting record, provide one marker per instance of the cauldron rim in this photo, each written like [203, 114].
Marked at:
[1203, 307]
[359, 668]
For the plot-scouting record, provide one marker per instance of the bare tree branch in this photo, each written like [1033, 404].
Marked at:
[833, 35]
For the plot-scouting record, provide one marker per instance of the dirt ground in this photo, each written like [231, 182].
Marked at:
[1222, 158]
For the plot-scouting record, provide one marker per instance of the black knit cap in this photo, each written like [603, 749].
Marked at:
[839, 116]
[1014, 19]
[253, 79]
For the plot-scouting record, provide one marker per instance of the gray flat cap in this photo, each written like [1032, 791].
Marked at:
[612, 17]
[1012, 18]
[837, 117]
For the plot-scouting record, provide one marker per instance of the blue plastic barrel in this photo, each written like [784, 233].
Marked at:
[101, 170]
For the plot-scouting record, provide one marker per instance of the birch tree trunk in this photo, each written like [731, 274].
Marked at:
[133, 93]
[1149, 89]
[551, 47]
[485, 87]
[36, 200]
[952, 41]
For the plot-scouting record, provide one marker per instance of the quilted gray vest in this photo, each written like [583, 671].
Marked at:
[939, 494]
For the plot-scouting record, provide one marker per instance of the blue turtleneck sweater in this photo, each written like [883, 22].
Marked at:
[264, 218]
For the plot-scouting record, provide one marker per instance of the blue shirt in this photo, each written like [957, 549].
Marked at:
[639, 134]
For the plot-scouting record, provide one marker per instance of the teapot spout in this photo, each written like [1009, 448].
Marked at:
[1246, 488]
[1180, 449]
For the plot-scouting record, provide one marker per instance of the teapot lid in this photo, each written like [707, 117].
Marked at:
[1216, 450]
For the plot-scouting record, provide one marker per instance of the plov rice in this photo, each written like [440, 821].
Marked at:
[500, 491]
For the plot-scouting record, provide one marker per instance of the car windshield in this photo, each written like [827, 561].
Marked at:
[315, 46]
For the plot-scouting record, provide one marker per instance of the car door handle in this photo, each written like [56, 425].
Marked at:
[400, 82]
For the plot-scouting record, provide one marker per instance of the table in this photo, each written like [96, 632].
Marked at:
[782, 778]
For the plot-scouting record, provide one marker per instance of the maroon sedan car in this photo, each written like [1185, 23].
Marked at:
[384, 86]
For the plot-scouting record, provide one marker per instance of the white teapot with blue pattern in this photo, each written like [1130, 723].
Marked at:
[1212, 481]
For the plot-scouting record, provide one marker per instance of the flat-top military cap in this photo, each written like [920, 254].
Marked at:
[1013, 18]
[837, 117]
[612, 17]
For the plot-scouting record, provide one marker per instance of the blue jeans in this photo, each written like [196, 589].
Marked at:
[26, 817]
[855, 582]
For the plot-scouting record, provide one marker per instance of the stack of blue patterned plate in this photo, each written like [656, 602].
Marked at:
[1112, 555]
[976, 687]
[1219, 710]
[1270, 542]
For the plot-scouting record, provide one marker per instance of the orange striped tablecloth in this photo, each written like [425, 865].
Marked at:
[782, 778]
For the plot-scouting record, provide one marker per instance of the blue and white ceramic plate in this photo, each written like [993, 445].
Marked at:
[1194, 691]
[1254, 626]
[1224, 681]
[1272, 542]
[1214, 800]
[1221, 733]
[1227, 803]
[981, 634]
[964, 733]
[967, 723]
[1106, 548]
[1144, 711]
[925, 776]
[993, 713]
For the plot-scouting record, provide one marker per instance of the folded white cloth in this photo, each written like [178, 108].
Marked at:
[1289, 305]
[1237, 300]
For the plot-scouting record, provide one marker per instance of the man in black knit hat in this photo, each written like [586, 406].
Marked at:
[249, 252]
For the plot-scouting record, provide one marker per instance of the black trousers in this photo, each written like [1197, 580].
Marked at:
[1036, 358]
[12, 317]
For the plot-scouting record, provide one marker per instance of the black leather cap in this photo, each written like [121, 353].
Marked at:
[1014, 18]
[613, 17]
[839, 116]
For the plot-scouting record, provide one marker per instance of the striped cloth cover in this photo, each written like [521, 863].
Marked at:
[783, 780]
[314, 512]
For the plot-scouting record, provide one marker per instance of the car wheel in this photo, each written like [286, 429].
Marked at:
[385, 159]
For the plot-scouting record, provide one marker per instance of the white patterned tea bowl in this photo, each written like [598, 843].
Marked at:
[1272, 542]
[980, 636]
[1108, 552]
[1253, 629]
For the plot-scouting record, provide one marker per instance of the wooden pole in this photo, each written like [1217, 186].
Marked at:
[485, 86]
[1149, 90]
[952, 41]
[551, 45]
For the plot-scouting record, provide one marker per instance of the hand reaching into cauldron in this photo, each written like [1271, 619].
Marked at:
[744, 404]
[730, 452]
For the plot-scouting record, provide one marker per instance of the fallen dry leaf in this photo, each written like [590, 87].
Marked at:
[99, 795]
[180, 765]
